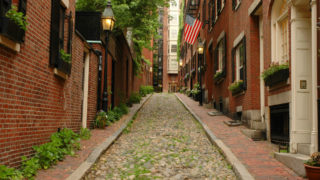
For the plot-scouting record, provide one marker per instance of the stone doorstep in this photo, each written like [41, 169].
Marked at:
[215, 113]
[256, 135]
[233, 123]
[257, 125]
[304, 148]
[293, 161]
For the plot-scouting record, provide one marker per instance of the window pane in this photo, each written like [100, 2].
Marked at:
[241, 73]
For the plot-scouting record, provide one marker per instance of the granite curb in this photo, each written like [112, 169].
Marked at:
[93, 157]
[240, 170]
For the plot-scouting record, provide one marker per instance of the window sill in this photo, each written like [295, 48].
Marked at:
[60, 74]
[9, 43]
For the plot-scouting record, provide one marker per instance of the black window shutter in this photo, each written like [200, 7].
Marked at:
[210, 16]
[244, 63]
[224, 53]
[216, 60]
[234, 4]
[54, 32]
[23, 6]
[70, 33]
[213, 12]
[233, 53]
[5, 5]
[204, 13]
[219, 6]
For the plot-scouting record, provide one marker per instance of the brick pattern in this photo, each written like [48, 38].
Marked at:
[255, 155]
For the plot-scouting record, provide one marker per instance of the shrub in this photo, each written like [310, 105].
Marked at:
[135, 98]
[144, 90]
[101, 120]
[112, 116]
[9, 173]
[85, 133]
[18, 17]
[124, 108]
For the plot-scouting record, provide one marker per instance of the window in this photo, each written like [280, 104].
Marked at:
[8, 27]
[235, 4]
[213, 11]
[279, 32]
[174, 48]
[239, 62]
[57, 36]
[220, 57]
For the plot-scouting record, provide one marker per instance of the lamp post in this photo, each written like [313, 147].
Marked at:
[200, 57]
[108, 21]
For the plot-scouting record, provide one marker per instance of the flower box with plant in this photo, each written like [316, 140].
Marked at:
[236, 87]
[312, 167]
[193, 73]
[275, 74]
[218, 77]
[13, 25]
[186, 77]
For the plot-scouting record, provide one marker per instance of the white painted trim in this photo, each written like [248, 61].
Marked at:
[85, 91]
[94, 42]
[239, 109]
[280, 98]
[9, 43]
[314, 132]
[238, 39]
[221, 36]
[253, 6]
[65, 3]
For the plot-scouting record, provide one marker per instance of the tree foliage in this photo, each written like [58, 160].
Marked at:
[140, 15]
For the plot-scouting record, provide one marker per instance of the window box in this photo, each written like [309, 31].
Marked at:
[11, 30]
[218, 77]
[237, 87]
[277, 77]
[193, 73]
[275, 74]
[63, 66]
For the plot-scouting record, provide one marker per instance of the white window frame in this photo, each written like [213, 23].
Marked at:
[238, 65]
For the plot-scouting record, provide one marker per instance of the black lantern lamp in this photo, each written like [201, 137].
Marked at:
[107, 20]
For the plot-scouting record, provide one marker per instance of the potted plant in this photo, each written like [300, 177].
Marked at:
[196, 92]
[312, 166]
[236, 87]
[218, 77]
[276, 73]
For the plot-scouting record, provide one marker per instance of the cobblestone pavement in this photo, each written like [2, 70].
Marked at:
[164, 142]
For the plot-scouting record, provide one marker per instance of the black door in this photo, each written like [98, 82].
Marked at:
[113, 83]
[279, 123]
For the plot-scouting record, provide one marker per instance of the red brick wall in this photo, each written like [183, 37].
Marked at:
[34, 102]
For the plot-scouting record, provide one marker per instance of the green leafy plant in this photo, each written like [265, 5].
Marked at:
[274, 67]
[124, 108]
[196, 89]
[117, 112]
[18, 17]
[218, 75]
[135, 98]
[65, 56]
[236, 86]
[112, 117]
[30, 167]
[85, 133]
[314, 160]
[101, 120]
[144, 90]
[9, 173]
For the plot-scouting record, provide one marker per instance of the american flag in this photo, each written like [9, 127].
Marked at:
[191, 29]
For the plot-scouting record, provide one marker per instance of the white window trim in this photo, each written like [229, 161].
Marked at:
[238, 39]
[65, 3]
[238, 5]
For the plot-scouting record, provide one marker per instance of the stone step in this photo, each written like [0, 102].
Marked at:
[233, 123]
[256, 135]
[293, 161]
[257, 125]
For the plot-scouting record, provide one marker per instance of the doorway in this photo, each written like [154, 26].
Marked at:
[85, 88]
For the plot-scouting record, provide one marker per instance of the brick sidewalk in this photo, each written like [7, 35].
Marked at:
[65, 168]
[255, 155]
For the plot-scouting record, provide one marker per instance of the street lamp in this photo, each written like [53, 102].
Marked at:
[181, 63]
[107, 20]
[200, 57]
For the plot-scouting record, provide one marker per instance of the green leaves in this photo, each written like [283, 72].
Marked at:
[18, 17]
[274, 68]
[65, 56]
[9, 173]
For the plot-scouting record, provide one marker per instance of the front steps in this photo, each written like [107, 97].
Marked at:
[256, 130]
[293, 161]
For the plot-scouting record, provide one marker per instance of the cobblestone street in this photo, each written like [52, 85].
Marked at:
[163, 142]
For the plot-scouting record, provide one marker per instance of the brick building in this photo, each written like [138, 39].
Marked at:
[41, 93]
[242, 39]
